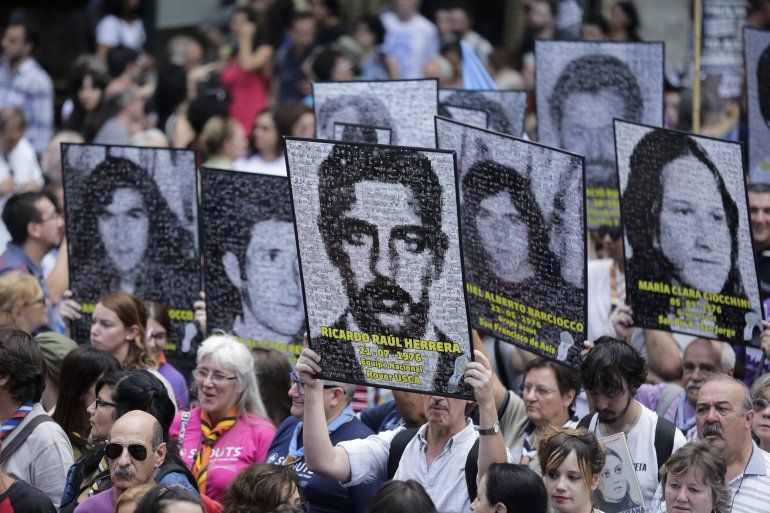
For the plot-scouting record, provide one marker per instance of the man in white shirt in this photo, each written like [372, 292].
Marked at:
[435, 457]
[409, 37]
[612, 372]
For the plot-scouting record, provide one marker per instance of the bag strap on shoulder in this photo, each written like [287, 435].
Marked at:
[22, 436]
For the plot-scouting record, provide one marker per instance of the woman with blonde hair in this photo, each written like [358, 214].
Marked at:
[22, 303]
[229, 430]
[693, 479]
[223, 140]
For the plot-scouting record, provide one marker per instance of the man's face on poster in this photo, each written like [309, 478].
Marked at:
[388, 262]
[271, 288]
[586, 129]
[694, 235]
[124, 228]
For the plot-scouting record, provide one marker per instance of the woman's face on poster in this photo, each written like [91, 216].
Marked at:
[124, 228]
[612, 483]
[503, 234]
[694, 235]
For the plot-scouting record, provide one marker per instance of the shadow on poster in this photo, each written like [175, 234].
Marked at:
[523, 230]
[689, 260]
[583, 86]
[757, 47]
[381, 266]
[132, 226]
[619, 490]
[251, 271]
[351, 132]
[504, 110]
[406, 107]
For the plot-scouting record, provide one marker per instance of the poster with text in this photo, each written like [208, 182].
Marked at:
[379, 246]
[758, 86]
[406, 107]
[689, 260]
[581, 87]
[619, 490]
[523, 228]
[722, 50]
[132, 226]
[352, 132]
[251, 271]
[501, 111]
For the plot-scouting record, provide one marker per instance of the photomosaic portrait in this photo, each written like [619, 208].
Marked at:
[251, 270]
[132, 225]
[523, 239]
[618, 490]
[689, 260]
[582, 87]
[379, 246]
[406, 107]
[757, 48]
[503, 110]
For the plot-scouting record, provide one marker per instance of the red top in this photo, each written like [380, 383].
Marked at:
[248, 93]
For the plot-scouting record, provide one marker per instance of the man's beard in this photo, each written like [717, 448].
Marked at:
[383, 296]
[614, 417]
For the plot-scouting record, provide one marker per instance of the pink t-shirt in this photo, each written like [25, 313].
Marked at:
[245, 443]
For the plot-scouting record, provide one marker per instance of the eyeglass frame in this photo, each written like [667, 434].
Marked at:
[42, 301]
[294, 380]
[539, 391]
[212, 374]
[99, 402]
[759, 400]
[129, 447]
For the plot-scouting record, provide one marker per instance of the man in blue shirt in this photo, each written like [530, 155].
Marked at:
[323, 495]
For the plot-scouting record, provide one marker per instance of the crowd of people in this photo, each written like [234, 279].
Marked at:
[107, 424]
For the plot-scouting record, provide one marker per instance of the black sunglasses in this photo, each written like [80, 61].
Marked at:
[613, 231]
[759, 404]
[137, 451]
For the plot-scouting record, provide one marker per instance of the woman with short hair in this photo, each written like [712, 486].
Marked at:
[229, 430]
[265, 489]
[693, 479]
[760, 402]
[22, 303]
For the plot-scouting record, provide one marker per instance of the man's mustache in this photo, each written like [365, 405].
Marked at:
[382, 289]
[124, 472]
[693, 384]
[713, 429]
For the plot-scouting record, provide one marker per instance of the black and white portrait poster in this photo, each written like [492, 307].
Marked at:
[406, 107]
[499, 111]
[352, 132]
[722, 48]
[379, 245]
[132, 226]
[689, 260]
[251, 271]
[619, 490]
[757, 44]
[523, 231]
[581, 87]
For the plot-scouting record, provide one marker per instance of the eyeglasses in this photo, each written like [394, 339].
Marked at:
[101, 403]
[216, 377]
[296, 381]
[137, 451]
[42, 301]
[613, 231]
[55, 215]
[539, 391]
[759, 404]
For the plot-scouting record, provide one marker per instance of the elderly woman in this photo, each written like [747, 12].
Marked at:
[571, 461]
[693, 480]
[22, 303]
[760, 397]
[229, 430]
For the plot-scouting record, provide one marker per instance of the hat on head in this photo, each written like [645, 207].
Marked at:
[55, 347]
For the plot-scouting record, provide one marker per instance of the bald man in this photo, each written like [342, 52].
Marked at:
[135, 450]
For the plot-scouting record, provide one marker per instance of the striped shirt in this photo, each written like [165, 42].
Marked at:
[751, 489]
[30, 88]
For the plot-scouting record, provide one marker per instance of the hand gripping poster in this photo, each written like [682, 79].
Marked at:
[689, 260]
[132, 226]
[757, 46]
[251, 271]
[499, 111]
[405, 107]
[618, 490]
[381, 266]
[581, 87]
[523, 230]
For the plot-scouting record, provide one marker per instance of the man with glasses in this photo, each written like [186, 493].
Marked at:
[724, 413]
[135, 451]
[323, 495]
[35, 449]
[36, 227]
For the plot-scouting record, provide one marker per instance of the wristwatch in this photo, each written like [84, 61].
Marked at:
[489, 431]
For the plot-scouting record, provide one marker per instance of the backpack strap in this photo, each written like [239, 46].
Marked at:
[669, 395]
[665, 431]
[585, 422]
[22, 436]
[472, 470]
[397, 448]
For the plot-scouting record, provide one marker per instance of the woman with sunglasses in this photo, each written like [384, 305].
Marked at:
[760, 397]
[324, 495]
[229, 430]
[116, 394]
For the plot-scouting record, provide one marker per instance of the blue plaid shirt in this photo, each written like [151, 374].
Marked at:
[31, 89]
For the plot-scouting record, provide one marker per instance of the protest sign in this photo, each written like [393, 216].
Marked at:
[352, 132]
[758, 86]
[502, 111]
[619, 490]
